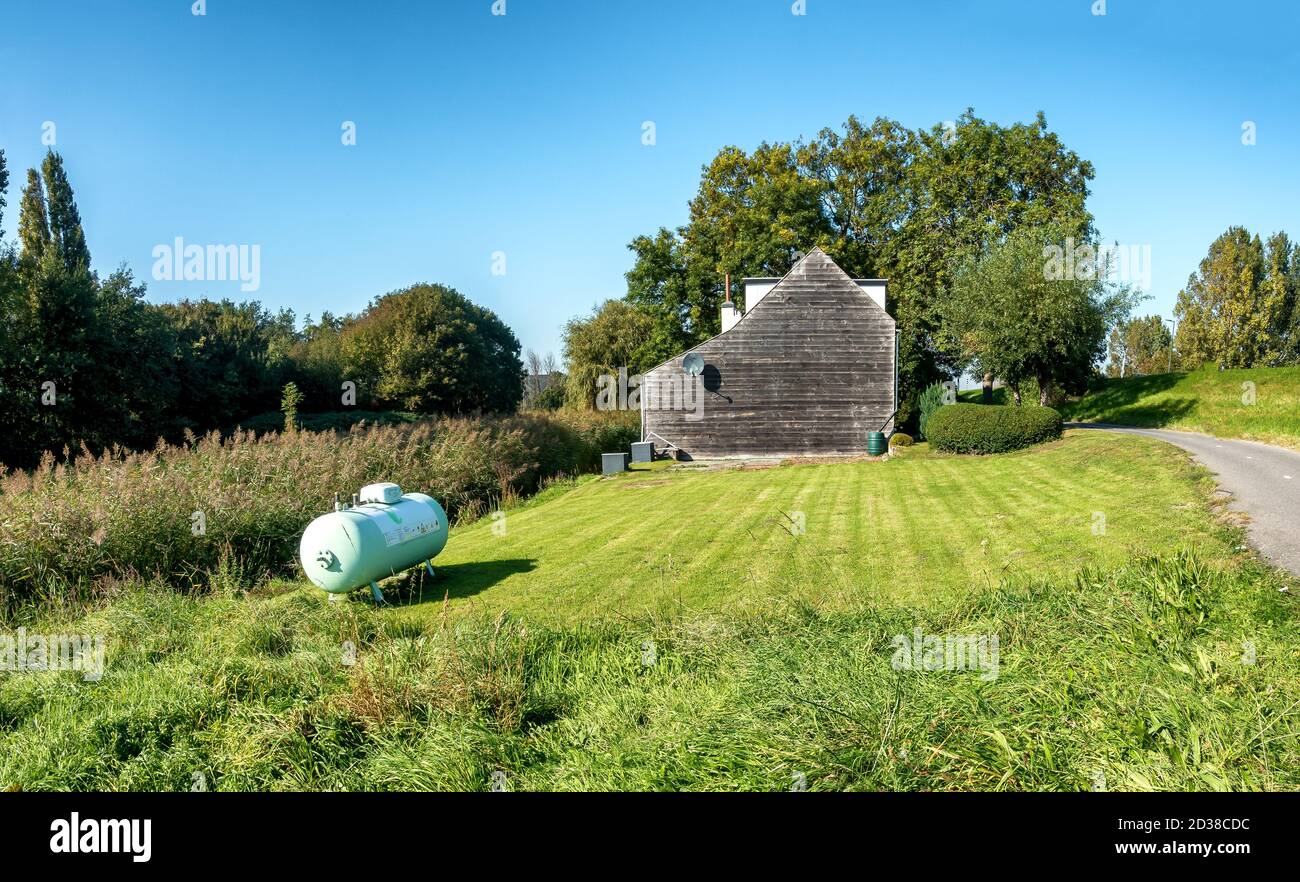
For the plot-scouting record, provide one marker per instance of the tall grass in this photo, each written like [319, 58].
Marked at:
[1170, 673]
[232, 509]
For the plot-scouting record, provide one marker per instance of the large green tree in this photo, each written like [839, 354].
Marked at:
[612, 338]
[12, 348]
[428, 348]
[51, 323]
[66, 235]
[1139, 346]
[4, 190]
[1282, 299]
[33, 222]
[1014, 316]
[231, 360]
[1227, 311]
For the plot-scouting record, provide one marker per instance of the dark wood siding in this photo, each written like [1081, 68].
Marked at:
[808, 370]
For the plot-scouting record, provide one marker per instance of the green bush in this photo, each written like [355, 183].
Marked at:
[900, 439]
[991, 428]
[929, 401]
[552, 398]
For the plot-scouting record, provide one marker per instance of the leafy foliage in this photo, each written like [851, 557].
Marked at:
[1139, 346]
[552, 397]
[427, 348]
[86, 362]
[613, 337]
[927, 403]
[1240, 308]
[1011, 315]
[991, 428]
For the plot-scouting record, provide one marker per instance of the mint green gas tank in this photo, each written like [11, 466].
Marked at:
[388, 532]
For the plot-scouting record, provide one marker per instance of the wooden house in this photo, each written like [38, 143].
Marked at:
[809, 369]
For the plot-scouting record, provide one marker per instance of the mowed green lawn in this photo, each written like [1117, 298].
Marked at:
[1261, 404]
[919, 528]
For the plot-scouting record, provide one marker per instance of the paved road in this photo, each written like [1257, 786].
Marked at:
[1264, 482]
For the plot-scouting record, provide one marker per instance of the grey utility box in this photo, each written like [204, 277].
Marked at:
[643, 451]
[613, 463]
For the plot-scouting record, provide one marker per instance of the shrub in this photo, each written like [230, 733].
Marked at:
[552, 398]
[991, 428]
[900, 439]
[929, 401]
[234, 508]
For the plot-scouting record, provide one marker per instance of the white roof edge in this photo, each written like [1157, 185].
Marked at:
[779, 278]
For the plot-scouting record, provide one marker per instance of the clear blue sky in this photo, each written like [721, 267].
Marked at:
[522, 133]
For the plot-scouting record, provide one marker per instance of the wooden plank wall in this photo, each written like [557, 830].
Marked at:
[808, 371]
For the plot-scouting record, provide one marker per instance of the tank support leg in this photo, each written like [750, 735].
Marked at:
[379, 595]
[335, 598]
[429, 566]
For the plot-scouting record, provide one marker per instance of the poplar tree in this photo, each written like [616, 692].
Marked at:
[33, 225]
[1226, 312]
[65, 222]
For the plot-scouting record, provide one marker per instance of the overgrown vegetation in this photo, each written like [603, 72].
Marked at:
[230, 511]
[1168, 673]
[992, 428]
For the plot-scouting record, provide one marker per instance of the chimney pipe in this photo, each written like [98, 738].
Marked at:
[730, 314]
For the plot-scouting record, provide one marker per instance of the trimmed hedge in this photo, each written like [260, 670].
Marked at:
[991, 428]
[900, 439]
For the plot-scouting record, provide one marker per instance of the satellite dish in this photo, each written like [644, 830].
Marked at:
[693, 364]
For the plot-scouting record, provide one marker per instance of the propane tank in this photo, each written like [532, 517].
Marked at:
[384, 532]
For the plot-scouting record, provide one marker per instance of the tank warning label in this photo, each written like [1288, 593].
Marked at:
[399, 533]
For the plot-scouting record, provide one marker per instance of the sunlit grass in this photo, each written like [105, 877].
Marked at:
[920, 528]
[1260, 404]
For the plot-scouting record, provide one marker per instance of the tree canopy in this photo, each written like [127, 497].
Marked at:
[428, 349]
[614, 336]
[1139, 346]
[883, 200]
[1239, 308]
[86, 360]
[1015, 318]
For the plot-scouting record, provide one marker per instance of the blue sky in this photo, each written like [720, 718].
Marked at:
[522, 133]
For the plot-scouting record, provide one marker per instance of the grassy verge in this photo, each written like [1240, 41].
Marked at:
[1260, 404]
[1166, 674]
